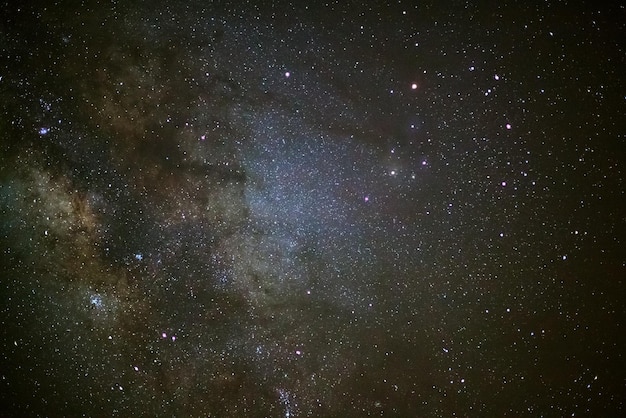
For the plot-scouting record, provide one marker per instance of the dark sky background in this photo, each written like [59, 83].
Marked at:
[335, 210]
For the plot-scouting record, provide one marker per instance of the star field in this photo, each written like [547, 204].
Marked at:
[319, 209]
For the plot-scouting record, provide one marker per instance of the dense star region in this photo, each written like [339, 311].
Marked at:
[407, 209]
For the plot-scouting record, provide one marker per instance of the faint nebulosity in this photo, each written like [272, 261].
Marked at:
[339, 209]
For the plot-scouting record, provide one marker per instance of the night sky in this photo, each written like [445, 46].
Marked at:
[344, 209]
